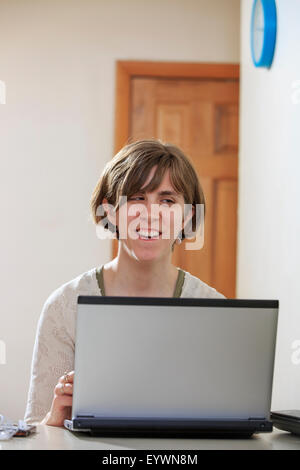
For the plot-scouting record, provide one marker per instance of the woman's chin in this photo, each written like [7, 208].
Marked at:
[146, 255]
[147, 252]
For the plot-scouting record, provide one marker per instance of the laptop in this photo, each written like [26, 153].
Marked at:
[173, 367]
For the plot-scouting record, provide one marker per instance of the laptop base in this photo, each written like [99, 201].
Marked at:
[287, 420]
[169, 428]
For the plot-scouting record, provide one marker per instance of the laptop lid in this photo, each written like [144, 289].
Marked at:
[174, 357]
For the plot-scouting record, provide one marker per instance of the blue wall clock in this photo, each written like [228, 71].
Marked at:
[263, 32]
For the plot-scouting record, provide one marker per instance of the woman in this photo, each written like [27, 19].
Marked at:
[161, 192]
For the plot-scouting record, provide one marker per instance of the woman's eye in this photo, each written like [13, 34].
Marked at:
[142, 197]
[169, 200]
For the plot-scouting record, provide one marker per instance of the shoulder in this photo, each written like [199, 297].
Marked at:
[61, 304]
[60, 308]
[194, 287]
[83, 284]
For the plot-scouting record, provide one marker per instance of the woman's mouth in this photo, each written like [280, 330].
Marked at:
[149, 235]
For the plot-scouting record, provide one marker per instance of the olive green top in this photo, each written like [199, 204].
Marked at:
[177, 290]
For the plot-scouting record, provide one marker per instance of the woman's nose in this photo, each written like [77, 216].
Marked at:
[149, 215]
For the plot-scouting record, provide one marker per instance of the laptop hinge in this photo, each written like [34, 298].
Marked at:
[259, 418]
[85, 416]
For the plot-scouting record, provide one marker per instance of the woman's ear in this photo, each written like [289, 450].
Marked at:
[188, 216]
[110, 212]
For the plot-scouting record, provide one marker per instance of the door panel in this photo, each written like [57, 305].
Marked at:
[201, 117]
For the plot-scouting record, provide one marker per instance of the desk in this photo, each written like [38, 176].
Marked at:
[54, 438]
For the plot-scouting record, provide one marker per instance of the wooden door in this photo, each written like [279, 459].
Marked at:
[200, 115]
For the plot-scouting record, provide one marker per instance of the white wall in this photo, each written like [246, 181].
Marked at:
[58, 63]
[269, 190]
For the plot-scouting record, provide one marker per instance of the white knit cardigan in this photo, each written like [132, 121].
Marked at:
[54, 348]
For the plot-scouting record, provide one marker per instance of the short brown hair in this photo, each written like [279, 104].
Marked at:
[128, 170]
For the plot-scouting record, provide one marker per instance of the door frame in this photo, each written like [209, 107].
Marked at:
[126, 69]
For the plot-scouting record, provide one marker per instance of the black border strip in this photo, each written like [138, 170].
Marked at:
[172, 302]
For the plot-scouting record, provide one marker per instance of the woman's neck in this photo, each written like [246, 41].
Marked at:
[133, 278]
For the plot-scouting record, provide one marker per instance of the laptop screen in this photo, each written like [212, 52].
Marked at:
[174, 358]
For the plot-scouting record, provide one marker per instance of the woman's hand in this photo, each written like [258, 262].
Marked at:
[62, 401]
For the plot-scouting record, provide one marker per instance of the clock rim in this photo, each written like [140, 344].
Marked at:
[269, 34]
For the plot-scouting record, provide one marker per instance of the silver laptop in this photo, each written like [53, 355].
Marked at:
[181, 367]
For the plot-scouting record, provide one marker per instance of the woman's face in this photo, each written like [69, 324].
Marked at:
[159, 214]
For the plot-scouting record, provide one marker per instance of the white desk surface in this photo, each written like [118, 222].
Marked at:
[54, 438]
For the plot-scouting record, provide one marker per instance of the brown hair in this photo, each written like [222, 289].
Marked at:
[128, 170]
